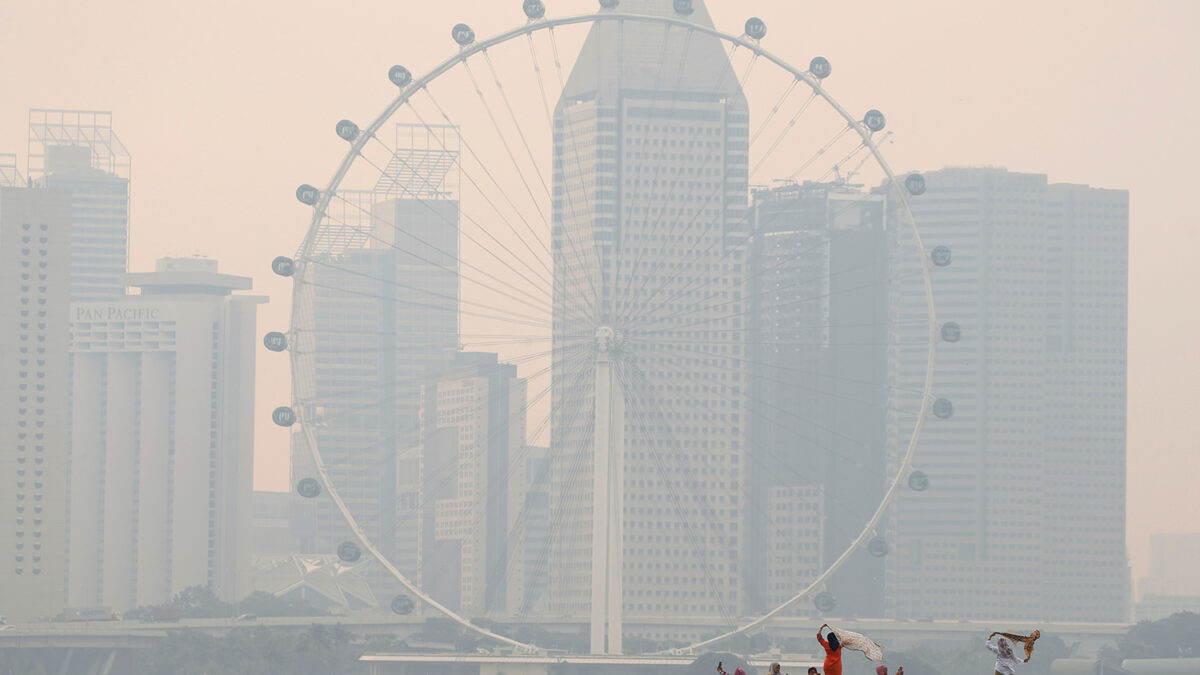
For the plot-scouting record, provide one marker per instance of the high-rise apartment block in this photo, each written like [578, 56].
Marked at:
[817, 314]
[77, 151]
[1026, 455]
[472, 520]
[794, 543]
[35, 255]
[162, 438]
[650, 171]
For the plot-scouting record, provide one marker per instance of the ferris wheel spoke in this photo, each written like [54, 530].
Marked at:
[519, 521]
[537, 69]
[507, 148]
[882, 386]
[421, 291]
[866, 157]
[516, 122]
[820, 152]
[640, 410]
[537, 275]
[627, 294]
[711, 197]
[691, 251]
[700, 305]
[514, 319]
[395, 227]
[787, 93]
[643, 198]
[354, 393]
[422, 243]
[571, 476]
[545, 248]
[672, 344]
[783, 133]
[719, 388]
[817, 244]
[823, 295]
[550, 122]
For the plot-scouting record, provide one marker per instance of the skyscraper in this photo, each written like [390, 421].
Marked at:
[35, 249]
[162, 452]
[77, 151]
[1024, 515]
[472, 446]
[649, 220]
[384, 316]
[817, 313]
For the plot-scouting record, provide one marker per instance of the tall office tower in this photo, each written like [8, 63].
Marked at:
[794, 544]
[1172, 559]
[1087, 317]
[35, 250]
[533, 526]
[1026, 455]
[384, 299]
[817, 303]
[650, 215]
[472, 441]
[76, 150]
[162, 443]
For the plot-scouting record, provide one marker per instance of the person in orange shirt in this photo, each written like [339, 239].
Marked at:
[833, 651]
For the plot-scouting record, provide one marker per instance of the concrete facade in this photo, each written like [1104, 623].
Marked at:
[162, 438]
[35, 250]
[650, 200]
[1027, 469]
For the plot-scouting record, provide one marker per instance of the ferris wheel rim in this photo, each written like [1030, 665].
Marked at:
[548, 24]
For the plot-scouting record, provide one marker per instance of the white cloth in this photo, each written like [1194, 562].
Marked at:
[1005, 665]
[859, 643]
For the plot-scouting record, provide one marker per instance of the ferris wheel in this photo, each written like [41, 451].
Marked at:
[576, 309]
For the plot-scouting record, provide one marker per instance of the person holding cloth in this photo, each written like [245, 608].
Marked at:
[833, 651]
[1006, 660]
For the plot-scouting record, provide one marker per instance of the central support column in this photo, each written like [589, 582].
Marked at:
[608, 499]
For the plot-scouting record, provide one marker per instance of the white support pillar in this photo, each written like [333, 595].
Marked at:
[608, 498]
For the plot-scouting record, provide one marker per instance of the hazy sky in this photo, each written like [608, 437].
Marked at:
[227, 106]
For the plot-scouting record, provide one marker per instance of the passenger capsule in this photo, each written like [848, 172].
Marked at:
[874, 120]
[308, 488]
[462, 34]
[400, 76]
[609, 4]
[918, 481]
[820, 67]
[951, 332]
[402, 604]
[348, 551]
[308, 194]
[943, 408]
[684, 7]
[347, 130]
[915, 183]
[878, 547]
[283, 266]
[756, 28]
[534, 9]
[824, 602]
[283, 416]
[940, 256]
[275, 341]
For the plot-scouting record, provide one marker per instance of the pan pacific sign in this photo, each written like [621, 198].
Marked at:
[120, 311]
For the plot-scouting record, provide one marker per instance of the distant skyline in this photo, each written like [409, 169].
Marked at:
[226, 107]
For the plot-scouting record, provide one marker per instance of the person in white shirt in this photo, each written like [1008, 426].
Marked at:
[1006, 660]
